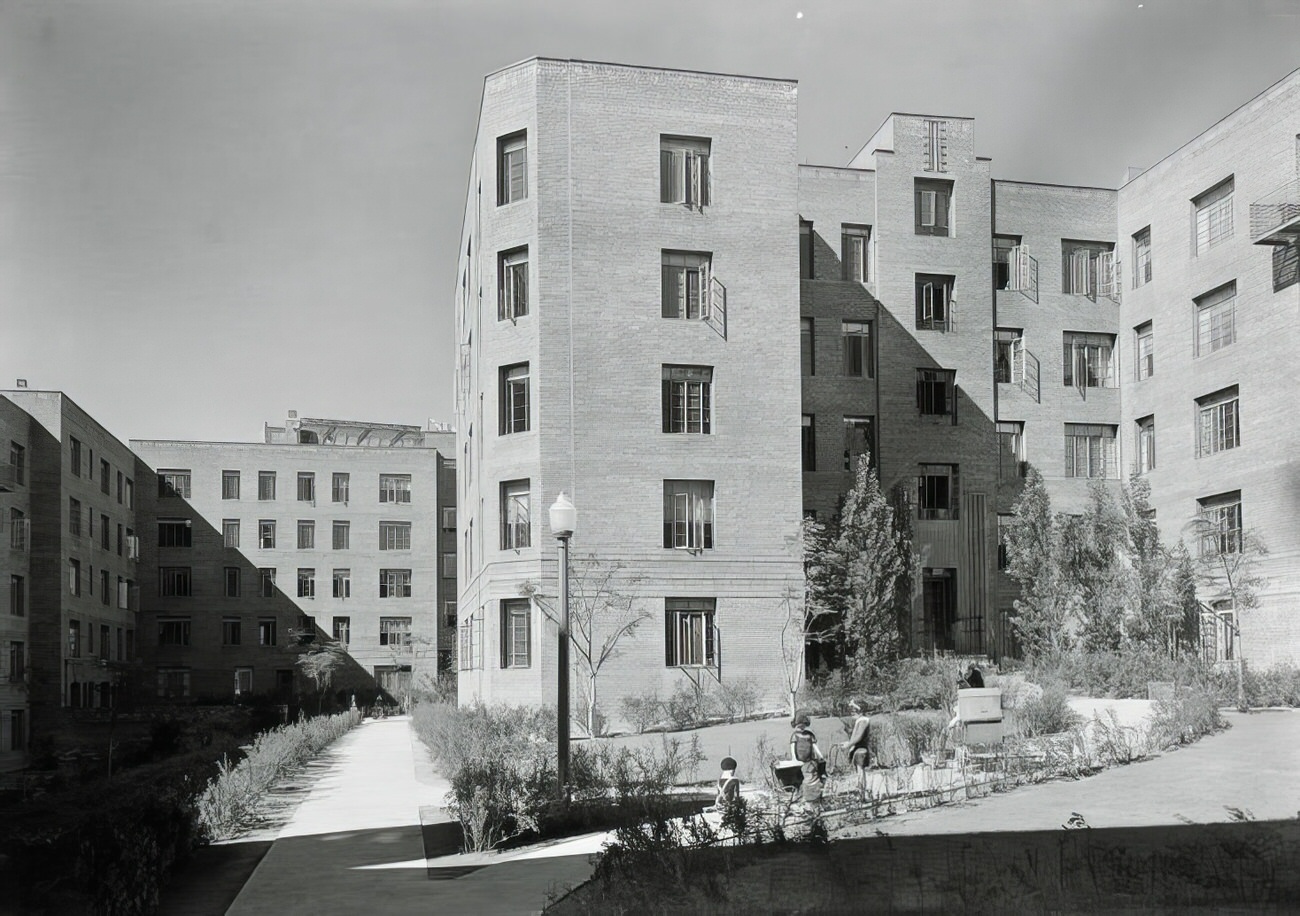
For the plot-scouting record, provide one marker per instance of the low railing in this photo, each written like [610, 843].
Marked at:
[1279, 210]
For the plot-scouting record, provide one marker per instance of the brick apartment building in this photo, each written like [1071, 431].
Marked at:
[958, 327]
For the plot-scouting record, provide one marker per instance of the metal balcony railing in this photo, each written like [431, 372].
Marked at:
[1275, 218]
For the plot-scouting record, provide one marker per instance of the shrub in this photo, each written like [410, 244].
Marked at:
[688, 706]
[496, 799]
[1047, 714]
[642, 712]
[1191, 712]
[456, 735]
[829, 694]
[925, 683]
[738, 698]
[1115, 743]
[1276, 686]
[917, 733]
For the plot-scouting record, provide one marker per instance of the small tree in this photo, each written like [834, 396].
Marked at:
[1158, 601]
[602, 612]
[804, 623]
[1043, 610]
[1097, 570]
[319, 663]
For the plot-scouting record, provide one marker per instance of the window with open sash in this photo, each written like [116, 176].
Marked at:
[306, 583]
[1213, 216]
[1011, 448]
[686, 284]
[853, 251]
[690, 634]
[1003, 246]
[1221, 529]
[1146, 444]
[859, 358]
[339, 486]
[516, 525]
[1090, 451]
[1005, 342]
[934, 306]
[684, 171]
[512, 168]
[936, 145]
[936, 491]
[394, 583]
[688, 514]
[1142, 257]
[394, 488]
[266, 581]
[1218, 422]
[1216, 319]
[1088, 361]
[1144, 344]
[859, 440]
[516, 633]
[342, 587]
[514, 399]
[936, 392]
[342, 627]
[174, 483]
[1089, 269]
[687, 399]
[395, 632]
[266, 534]
[1006, 521]
[306, 487]
[809, 442]
[512, 284]
[933, 206]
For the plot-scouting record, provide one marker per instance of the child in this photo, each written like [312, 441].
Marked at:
[857, 747]
[803, 748]
[728, 784]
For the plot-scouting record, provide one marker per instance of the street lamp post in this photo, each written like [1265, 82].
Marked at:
[564, 518]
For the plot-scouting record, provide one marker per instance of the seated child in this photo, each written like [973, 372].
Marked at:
[803, 748]
[728, 784]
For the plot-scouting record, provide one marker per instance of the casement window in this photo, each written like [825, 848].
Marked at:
[937, 491]
[230, 532]
[516, 528]
[1146, 444]
[933, 206]
[465, 645]
[687, 399]
[266, 582]
[174, 582]
[105, 588]
[395, 632]
[17, 596]
[936, 145]
[513, 388]
[174, 483]
[306, 582]
[1088, 360]
[807, 347]
[266, 484]
[853, 251]
[130, 493]
[230, 485]
[266, 534]
[74, 577]
[1006, 521]
[267, 631]
[1006, 342]
[1011, 448]
[173, 683]
[173, 631]
[1212, 221]
[1142, 257]
[339, 486]
[934, 305]
[1216, 319]
[859, 357]
[805, 250]
[512, 168]
[17, 661]
[449, 518]
[232, 580]
[342, 588]
[449, 613]
[859, 440]
[1003, 273]
[342, 535]
[512, 284]
[175, 532]
[1090, 451]
[687, 289]
[105, 644]
[342, 628]
[1144, 345]
[394, 535]
[394, 583]
[74, 639]
[688, 514]
[306, 535]
[74, 456]
[120, 480]
[74, 517]
[394, 488]
[18, 461]
[105, 477]
[449, 557]
[684, 171]
[690, 634]
[1218, 422]
[20, 529]
[809, 442]
[1089, 269]
[104, 526]
[516, 633]
[1221, 523]
[306, 487]
[243, 681]
[936, 392]
[1286, 265]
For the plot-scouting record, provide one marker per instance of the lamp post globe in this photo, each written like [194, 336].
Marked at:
[564, 517]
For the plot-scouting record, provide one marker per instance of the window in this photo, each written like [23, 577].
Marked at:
[449, 558]
[684, 283]
[306, 534]
[243, 680]
[395, 632]
[266, 484]
[230, 485]
[1011, 448]
[105, 588]
[936, 146]
[687, 399]
[105, 477]
[74, 639]
[1088, 269]
[174, 483]
[394, 535]
[233, 576]
[266, 580]
[130, 493]
[933, 201]
[342, 535]
[1221, 523]
[449, 613]
[103, 531]
[449, 518]
[1005, 343]
[937, 491]
[513, 399]
[939, 607]
[936, 392]
[306, 582]
[934, 305]
[807, 352]
[512, 284]
[339, 488]
[859, 440]
[173, 631]
[20, 527]
[1006, 522]
[175, 532]
[266, 631]
[515, 526]
[1146, 444]
[516, 633]
[1090, 451]
[394, 583]
[74, 577]
[306, 487]
[174, 581]
[809, 442]
[1004, 276]
[74, 517]
[74, 456]
[691, 638]
[342, 583]
[17, 596]
[853, 251]
[394, 488]
[688, 514]
[512, 168]
[1088, 360]
[1216, 319]
[1144, 344]
[343, 630]
[18, 461]
[1218, 422]
[684, 173]
[17, 661]
[859, 358]
[173, 682]
[1142, 257]
[1213, 216]
[120, 480]
[230, 532]
[266, 534]
[805, 250]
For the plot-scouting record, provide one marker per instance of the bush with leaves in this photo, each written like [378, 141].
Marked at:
[642, 712]
[689, 706]
[1276, 686]
[738, 697]
[925, 683]
[1191, 712]
[1048, 714]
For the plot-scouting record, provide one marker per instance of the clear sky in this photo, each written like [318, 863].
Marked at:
[214, 211]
